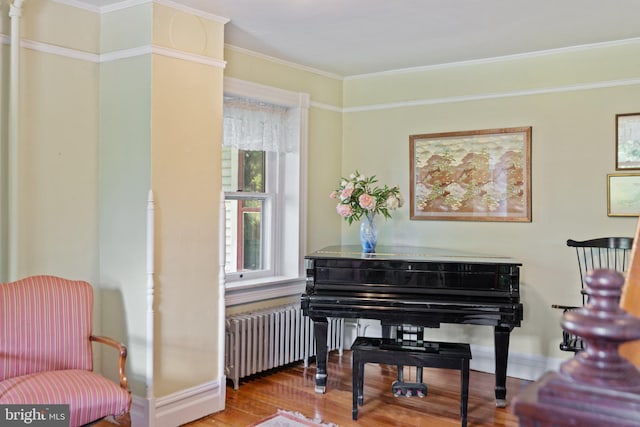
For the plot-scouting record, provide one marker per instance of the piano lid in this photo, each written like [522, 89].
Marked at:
[409, 253]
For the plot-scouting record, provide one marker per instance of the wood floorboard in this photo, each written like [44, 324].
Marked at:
[292, 388]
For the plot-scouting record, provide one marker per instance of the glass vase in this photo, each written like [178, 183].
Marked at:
[368, 233]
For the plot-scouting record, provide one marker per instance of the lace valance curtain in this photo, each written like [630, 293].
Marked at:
[259, 126]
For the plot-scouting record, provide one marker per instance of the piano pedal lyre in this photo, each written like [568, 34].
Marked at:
[401, 388]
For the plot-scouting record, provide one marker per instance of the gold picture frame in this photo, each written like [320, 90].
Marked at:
[628, 141]
[623, 194]
[480, 175]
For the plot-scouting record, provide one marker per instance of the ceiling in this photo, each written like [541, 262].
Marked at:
[352, 37]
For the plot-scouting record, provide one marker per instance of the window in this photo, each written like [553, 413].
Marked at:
[263, 173]
[247, 207]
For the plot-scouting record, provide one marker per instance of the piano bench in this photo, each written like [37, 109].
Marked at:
[431, 355]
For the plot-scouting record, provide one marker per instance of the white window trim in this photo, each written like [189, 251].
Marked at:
[290, 282]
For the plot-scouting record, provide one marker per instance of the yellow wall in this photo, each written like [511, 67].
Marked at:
[103, 121]
[57, 144]
[60, 25]
[58, 134]
[573, 147]
[186, 157]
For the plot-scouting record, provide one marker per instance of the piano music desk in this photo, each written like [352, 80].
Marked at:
[385, 350]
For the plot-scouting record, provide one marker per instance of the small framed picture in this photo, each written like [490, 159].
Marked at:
[628, 141]
[623, 194]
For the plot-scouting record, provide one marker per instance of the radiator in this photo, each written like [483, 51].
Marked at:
[271, 338]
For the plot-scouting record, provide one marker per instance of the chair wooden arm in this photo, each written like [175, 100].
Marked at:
[122, 349]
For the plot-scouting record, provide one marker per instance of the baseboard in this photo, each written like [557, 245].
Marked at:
[180, 407]
[520, 365]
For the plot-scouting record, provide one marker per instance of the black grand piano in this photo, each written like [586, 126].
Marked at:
[413, 285]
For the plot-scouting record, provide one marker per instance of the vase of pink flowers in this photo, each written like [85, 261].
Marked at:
[359, 199]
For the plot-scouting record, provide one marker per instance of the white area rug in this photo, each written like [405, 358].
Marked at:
[290, 419]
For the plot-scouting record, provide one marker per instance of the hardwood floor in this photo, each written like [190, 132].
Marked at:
[292, 388]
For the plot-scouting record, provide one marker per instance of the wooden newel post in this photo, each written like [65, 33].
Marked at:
[597, 386]
[603, 325]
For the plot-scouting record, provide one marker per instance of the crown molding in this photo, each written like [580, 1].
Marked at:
[504, 58]
[485, 96]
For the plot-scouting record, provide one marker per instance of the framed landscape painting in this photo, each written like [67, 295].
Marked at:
[623, 194]
[480, 175]
[628, 141]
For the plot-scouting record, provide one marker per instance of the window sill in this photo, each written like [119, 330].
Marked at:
[247, 291]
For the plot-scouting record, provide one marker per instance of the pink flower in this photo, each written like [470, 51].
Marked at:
[367, 201]
[346, 192]
[344, 210]
[333, 195]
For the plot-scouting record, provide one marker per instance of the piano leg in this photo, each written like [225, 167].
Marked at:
[386, 330]
[501, 339]
[320, 331]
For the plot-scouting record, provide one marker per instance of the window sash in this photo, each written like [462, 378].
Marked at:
[267, 244]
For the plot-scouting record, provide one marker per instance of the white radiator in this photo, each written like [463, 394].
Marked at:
[270, 338]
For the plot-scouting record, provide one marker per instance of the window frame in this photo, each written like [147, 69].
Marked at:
[270, 236]
[286, 274]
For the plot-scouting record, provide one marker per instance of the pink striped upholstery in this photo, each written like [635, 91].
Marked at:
[46, 324]
[45, 349]
[90, 396]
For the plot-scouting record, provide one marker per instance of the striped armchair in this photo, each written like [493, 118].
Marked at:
[46, 351]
